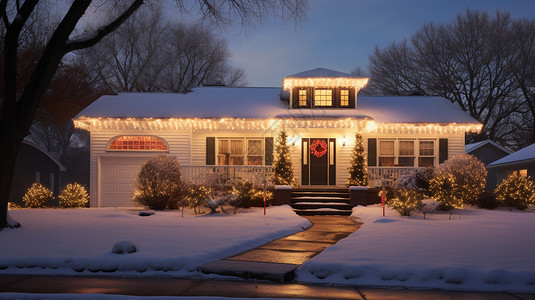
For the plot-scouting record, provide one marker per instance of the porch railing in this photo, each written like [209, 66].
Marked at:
[389, 174]
[225, 174]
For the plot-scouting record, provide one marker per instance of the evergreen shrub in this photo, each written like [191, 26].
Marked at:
[358, 175]
[282, 169]
[37, 195]
[159, 184]
[404, 201]
[516, 191]
[73, 195]
[487, 200]
[417, 179]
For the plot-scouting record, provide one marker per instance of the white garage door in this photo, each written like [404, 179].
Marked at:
[117, 177]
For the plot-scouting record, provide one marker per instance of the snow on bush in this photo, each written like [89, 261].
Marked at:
[462, 178]
[123, 247]
[37, 195]
[73, 195]
[404, 201]
[516, 191]
[417, 179]
[159, 184]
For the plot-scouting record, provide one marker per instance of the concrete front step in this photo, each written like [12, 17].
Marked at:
[323, 212]
[320, 205]
[320, 194]
[321, 200]
[278, 272]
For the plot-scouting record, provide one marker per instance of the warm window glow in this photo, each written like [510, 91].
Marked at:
[344, 98]
[406, 154]
[523, 172]
[138, 143]
[323, 97]
[386, 153]
[427, 148]
[240, 151]
[302, 97]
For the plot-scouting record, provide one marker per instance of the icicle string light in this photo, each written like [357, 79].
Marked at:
[288, 83]
[366, 126]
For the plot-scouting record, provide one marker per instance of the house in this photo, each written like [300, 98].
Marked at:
[34, 164]
[521, 161]
[226, 131]
[488, 151]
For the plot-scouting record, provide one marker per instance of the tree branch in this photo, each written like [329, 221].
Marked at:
[103, 31]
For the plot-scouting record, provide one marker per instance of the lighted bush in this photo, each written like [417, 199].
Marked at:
[159, 184]
[469, 176]
[516, 191]
[73, 195]
[37, 195]
[248, 195]
[445, 191]
[417, 179]
[404, 201]
[196, 197]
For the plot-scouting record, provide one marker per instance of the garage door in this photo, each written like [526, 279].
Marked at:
[117, 177]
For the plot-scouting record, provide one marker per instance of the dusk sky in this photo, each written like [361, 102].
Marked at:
[340, 34]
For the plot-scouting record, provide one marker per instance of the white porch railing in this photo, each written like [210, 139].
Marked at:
[390, 174]
[224, 174]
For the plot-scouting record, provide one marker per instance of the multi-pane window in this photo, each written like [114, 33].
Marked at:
[406, 154]
[386, 153]
[427, 154]
[344, 97]
[239, 151]
[138, 143]
[323, 97]
[302, 97]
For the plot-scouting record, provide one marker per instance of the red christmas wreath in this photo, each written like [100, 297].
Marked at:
[318, 148]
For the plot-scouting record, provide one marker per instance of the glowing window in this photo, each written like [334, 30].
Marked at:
[240, 151]
[302, 97]
[323, 97]
[523, 172]
[386, 153]
[138, 143]
[344, 98]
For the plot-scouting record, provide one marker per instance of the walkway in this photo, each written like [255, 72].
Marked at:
[277, 260]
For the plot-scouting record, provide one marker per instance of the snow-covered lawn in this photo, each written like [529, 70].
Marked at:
[474, 250]
[79, 241]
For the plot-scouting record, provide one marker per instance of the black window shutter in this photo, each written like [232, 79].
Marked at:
[372, 152]
[210, 151]
[310, 97]
[295, 98]
[268, 151]
[442, 150]
[352, 98]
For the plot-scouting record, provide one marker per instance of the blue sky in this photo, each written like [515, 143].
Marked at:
[340, 34]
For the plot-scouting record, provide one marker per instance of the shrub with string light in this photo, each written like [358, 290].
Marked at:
[159, 184]
[37, 195]
[196, 197]
[516, 191]
[470, 177]
[417, 179]
[283, 170]
[404, 201]
[358, 175]
[73, 195]
[445, 190]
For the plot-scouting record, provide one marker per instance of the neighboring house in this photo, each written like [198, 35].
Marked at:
[34, 164]
[488, 151]
[221, 131]
[521, 161]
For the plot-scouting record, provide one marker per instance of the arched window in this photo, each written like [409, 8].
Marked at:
[137, 143]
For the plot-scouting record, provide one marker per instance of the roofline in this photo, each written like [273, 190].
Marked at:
[487, 141]
[511, 163]
[38, 147]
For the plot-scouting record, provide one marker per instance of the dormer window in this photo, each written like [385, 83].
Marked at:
[303, 98]
[323, 97]
[344, 98]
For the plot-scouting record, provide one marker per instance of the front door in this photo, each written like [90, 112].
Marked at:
[318, 165]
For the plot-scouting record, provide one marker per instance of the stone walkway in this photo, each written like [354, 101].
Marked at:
[277, 260]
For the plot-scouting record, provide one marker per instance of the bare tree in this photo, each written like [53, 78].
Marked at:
[18, 109]
[468, 62]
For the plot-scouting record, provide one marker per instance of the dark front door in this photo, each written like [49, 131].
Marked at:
[318, 161]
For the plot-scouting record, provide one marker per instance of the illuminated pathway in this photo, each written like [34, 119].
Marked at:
[278, 260]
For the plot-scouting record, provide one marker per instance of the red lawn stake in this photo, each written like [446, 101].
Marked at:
[265, 197]
[383, 195]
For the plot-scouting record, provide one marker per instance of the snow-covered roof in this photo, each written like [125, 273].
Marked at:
[474, 146]
[322, 72]
[262, 103]
[521, 156]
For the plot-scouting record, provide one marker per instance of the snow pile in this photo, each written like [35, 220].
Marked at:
[470, 250]
[72, 241]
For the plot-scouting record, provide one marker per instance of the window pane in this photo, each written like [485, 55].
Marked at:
[223, 147]
[254, 160]
[344, 98]
[254, 147]
[302, 97]
[236, 160]
[236, 147]
[523, 172]
[426, 161]
[406, 161]
[386, 147]
[406, 147]
[427, 148]
[138, 143]
[386, 161]
[323, 97]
